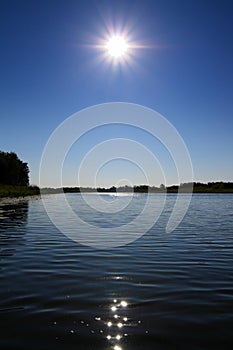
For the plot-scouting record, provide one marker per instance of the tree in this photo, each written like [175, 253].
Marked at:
[12, 170]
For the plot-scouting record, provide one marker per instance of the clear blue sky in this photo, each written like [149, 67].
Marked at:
[50, 69]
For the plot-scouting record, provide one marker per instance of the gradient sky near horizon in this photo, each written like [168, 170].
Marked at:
[51, 66]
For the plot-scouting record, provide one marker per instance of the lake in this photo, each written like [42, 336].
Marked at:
[161, 291]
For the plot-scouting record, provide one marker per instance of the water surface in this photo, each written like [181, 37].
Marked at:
[163, 291]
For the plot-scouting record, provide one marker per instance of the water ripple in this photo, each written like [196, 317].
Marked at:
[164, 291]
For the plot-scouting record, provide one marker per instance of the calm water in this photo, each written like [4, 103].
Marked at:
[163, 291]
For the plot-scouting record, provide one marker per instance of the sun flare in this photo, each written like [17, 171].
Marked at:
[117, 46]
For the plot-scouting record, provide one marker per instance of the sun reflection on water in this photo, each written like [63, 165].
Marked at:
[113, 324]
[117, 321]
[117, 347]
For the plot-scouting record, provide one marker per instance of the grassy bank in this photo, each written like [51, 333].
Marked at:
[18, 191]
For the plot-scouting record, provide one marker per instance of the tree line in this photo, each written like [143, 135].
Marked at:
[195, 187]
[13, 171]
[14, 177]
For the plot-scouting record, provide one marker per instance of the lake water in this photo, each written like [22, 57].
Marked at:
[162, 291]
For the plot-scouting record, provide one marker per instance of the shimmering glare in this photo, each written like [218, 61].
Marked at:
[117, 320]
[117, 347]
[124, 303]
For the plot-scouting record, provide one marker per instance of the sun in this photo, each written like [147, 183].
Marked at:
[117, 46]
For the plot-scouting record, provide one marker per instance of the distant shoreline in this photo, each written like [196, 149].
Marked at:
[20, 199]
[196, 187]
[14, 194]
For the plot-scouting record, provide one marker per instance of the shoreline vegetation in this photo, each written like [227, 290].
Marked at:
[196, 187]
[14, 177]
[14, 183]
[13, 191]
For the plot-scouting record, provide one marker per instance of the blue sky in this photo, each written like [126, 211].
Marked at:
[51, 67]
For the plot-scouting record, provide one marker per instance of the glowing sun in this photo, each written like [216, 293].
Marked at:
[117, 46]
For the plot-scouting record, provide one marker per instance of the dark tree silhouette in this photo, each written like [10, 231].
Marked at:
[12, 170]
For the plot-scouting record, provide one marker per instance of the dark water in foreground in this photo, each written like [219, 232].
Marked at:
[163, 291]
